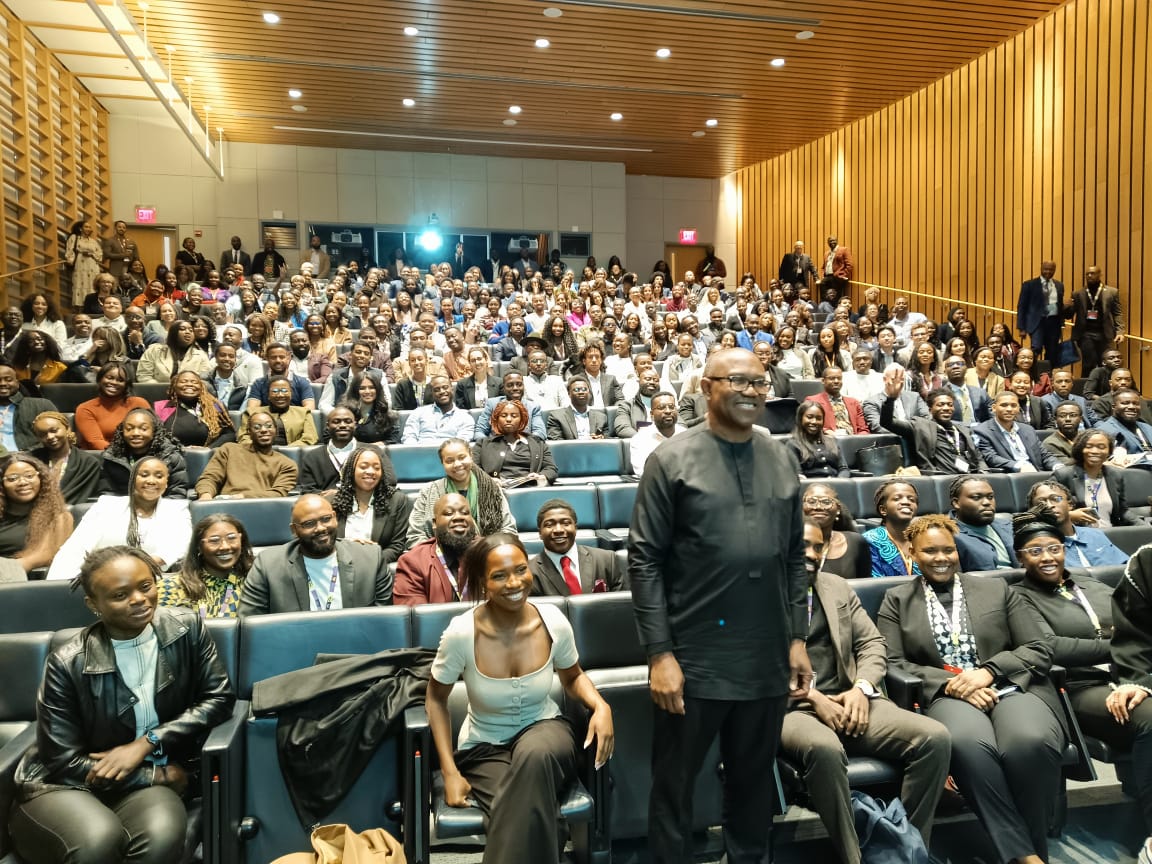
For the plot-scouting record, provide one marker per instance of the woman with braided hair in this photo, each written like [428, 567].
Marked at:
[369, 506]
[193, 414]
[144, 519]
[141, 434]
[34, 520]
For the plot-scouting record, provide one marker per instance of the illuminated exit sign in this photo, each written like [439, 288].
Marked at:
[687, 235]
[145, 214]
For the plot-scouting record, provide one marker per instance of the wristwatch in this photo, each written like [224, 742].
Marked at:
[866, 688]
[157, 745]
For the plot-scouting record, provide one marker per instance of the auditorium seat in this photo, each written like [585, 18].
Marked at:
[267, 520]
[581, 462]
[1130, 537]
[1138, 489]
[525, 504]
[615, 504]
[416, 464]
[27, 607]
[851, 445]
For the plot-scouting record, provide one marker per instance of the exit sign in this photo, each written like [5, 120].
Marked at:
[145, 214]
[688, 235]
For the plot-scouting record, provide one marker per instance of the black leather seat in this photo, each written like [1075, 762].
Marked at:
[27, 607]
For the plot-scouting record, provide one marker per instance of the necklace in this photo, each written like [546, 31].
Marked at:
[905, 558]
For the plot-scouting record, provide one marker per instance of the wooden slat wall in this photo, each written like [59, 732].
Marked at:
[1035, 149]
[53, 153]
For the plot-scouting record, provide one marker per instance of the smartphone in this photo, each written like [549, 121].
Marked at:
[1004, 691]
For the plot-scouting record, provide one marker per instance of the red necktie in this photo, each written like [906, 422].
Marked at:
[570, 579]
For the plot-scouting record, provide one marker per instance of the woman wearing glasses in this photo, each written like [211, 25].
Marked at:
[212, 576]
[846, 553]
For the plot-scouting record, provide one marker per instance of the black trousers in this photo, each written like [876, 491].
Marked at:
[1007, 765]
[518, 786]
[1092, 348]
[1135, 735]
[1046, 339]
[75, 826]
[749, 734]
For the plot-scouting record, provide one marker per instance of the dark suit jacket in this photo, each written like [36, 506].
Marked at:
[1009, 638]
[390, 530]
[781, 382]
[994, 448]
[1123, 437]
[610, 389]
[1032, 308]
[628, 416]
[920, 434]
[404, 396]
[465, 396]
[561, 424]
[978, 553]
[489, 456]
[1072, 476]
[913, 407]
[1075, 644]
[318, 474]
[507, 348]
[225, 260]
[420, 577]
[981, 404]
[596, 565]
[788, 267]
[278, 581]
[855, 413]
[880, 362]
[1102, 407]
[692, 409]
[856, 642]
[1111, 313]
[1039, 414]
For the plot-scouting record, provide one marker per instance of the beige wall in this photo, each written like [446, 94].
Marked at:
[658, 207]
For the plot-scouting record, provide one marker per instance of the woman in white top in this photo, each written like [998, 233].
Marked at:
[369, 506]
[144, 520]
[516, 755]
[789, 359]
[40, 313]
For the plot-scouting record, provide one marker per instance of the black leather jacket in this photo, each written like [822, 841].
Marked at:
[84, 706]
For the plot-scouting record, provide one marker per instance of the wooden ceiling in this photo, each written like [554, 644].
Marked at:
[472, 59]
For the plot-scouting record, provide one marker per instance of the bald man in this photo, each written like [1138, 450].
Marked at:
[316, 572]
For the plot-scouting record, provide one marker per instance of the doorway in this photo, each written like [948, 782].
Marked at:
[680, 258]
[157, 244]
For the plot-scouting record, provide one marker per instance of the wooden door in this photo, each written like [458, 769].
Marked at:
[157, 245]
[680, 258]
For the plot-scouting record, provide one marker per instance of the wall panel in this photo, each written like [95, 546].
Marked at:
[1036, 149]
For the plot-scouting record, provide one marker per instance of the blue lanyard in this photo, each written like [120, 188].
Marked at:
[331, 590]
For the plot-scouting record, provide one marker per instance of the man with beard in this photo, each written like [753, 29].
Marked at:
[938, 444]
[277, 356]
[1069, 419]
[563, 568]
[250, 470]
[983, 542]
[294, 425]
[316, 572]
[429, 572]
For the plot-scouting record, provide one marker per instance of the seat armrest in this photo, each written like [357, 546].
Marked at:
[1058, 675]
[904, 689]
[222, 786]
[416, 792]
[10, 756]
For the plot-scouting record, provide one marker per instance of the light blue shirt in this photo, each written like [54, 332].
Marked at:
[136, 661]
[323, 589]
[430, 423]
[1092, 548]
[8, 428]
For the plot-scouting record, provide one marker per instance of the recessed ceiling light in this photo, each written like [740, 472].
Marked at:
[553, 12]
[542, 43]
[663, 53]
[271, 18]
[805, 34]
[699, 133]
[509, 122]
[777, 62]
[408, 103]
[294, 94]
[513, 109]
[300, 108]
[411, 31]
[711, 121]
[616, 115]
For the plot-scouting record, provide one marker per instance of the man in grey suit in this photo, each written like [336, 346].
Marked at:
[316, 572]
[908, 404]
[1008, 445]
[578, 422]
[559, 570]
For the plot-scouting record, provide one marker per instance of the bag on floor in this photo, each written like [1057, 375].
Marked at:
[886, 836]
[339, 844]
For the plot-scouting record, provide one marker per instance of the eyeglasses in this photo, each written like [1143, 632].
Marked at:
[741, 382]
[820, 502]
[1037, 551]
[313, 524]
[220, 540]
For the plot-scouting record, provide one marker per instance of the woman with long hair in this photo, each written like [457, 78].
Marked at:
[319, 342]
[36, 358]
[561, 340]
[204, 333]
[178, 353]
[334, 326]
[34, 520]
[926, 376]
[405, 311]
[578, 317]
[486, 500]
[981, 374]
[138, 273]
[211, 576]
[368, 505]
[375, 421]
[633, 328]
[138, 436]
[866, 334]
[816, 449]
[791, 360]
[897, 502]
[259, 334]
[145, 518]
[828, 352]
[97, 420]
[84, 253]
[40, 313]
[958, 346]
[193, 415]
[1041, 381]
[107, 346]
[76, 471]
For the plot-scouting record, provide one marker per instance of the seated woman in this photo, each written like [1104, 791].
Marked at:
[179, 352]
[561, 340]
[34, 520]
[367, 399]
[517, 754]
[1098, 496]
[791, 360]
[76, 471]
[485, 497]
[36, 359]
[98, 419]
[511, 455]
[144, 519]
[897, 503]
[259, 334]
[1132, 671]
[817, 450]
[294, 424]
[319, 342]
[107, 346]
[846, 553]
[211, 576]
[1041, 381]
[40, 313]
[981, 374]
[982, 655]
[925, 370]
[193, 415]
[1083, 546]
[335, 327]
[473, 390]
[140, 435]
[103, 783]
[369, 506]
[165, 317]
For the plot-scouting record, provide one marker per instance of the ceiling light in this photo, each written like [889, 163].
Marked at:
[663, 53]
[300, 108]
[294, 94]
[552, 12]
[542, 43]
[699, 133]
[805, 34]
[616, 115]
[271, 18]
[411, 31]
[513, 109]
[509, 122]
[777, 62]
[711, 121]
[408, 103]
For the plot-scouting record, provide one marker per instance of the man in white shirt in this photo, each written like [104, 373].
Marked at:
[863, 381]
[113, 308]
[902, 321]
[76, 345]
[441, 420]
[539, 314]
[663, 427]
[545, 390]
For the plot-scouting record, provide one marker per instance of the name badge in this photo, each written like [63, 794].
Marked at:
[1093, 314]
[961, 465]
